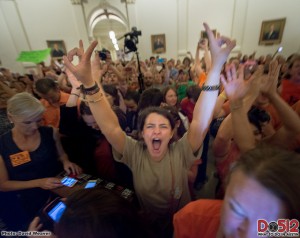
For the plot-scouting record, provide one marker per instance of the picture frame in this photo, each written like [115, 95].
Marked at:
[158, 43]
[58, 48]
[271, 31]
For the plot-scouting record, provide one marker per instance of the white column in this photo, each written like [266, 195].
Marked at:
[182, 27]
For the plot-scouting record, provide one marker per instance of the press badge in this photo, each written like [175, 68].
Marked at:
[20, 158]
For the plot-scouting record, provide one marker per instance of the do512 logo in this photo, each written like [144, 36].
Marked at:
[283, 227]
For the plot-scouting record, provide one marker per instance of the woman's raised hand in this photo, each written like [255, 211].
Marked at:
[97, 72]
[269, 84]
[219, 54]
[234, 84]
[82, 71]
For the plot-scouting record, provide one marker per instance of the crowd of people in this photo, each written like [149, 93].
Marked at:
[93, 117]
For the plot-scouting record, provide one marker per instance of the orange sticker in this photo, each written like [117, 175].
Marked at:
[20, 158]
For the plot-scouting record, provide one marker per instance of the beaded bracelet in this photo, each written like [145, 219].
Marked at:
[210, 88]
[96, 97]
[236, 105]
[75, 94]
[90, 91]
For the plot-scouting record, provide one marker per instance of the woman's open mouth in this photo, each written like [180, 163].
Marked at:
[156, 143]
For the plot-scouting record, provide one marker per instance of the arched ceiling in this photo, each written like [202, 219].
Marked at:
[104, 19]
[103, 27]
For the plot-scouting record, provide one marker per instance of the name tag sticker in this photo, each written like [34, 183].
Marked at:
[20, 158]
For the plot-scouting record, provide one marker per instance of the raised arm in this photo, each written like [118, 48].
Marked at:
[207, 57]
[197, 64]
[222, 142]
[220, 101]
[290, 119]
[203, 44]
[236, 89]
[205, 104]
[95, 96]
[75, 92]
[120, 76]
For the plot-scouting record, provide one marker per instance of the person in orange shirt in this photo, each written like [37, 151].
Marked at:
[254, 178]
[51, 98]
[290, 86]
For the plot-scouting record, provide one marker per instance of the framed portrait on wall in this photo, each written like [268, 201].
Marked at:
[58, 48]
[271, 31]
[158, 43]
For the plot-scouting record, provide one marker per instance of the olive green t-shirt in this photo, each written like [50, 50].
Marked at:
[155, 181]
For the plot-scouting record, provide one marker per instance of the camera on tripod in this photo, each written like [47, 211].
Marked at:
[131, 39]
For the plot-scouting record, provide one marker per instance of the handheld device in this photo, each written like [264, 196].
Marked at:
[55, 209]
[68, 181]
[91, 184]
[277, 51]
[160, 60]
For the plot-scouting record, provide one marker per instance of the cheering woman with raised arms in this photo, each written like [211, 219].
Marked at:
[158, 166]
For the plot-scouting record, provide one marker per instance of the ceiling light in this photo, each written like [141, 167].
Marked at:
[112, 35]
[114, 41]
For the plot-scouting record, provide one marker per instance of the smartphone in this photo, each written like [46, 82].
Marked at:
[91, 184]
[68, 181]
[55, 209]
[160, 60]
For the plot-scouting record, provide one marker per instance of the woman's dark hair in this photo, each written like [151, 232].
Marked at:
[98, 212]
[187, 59]
[44, 85]
[150, 97]
[132, 95]
[258, 116]
[161, 111]
[175, 113]
[193, 92]
[113, 91]
[278, 171]
[166, 90]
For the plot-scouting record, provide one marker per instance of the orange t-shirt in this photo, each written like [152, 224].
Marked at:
[290, 91]
[200, 218]
[202, 79]
[52, 113]
[295, 144]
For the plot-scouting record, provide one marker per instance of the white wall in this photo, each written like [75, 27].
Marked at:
[259, 11]
[28, 24]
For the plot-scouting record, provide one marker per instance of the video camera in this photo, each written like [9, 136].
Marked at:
[131, 39]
